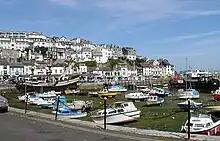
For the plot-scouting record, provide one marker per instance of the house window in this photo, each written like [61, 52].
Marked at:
[55, 71]
[61, 71]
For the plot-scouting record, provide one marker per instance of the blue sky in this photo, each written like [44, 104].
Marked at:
[172, 29]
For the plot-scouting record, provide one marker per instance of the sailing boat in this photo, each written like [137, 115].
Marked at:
[50, 83]
[189, 92]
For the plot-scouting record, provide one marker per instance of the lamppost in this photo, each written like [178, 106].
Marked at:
[57, 108]
[26, 97]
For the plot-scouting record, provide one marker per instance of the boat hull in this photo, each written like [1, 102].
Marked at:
[207, 131]
[117, 118]
[149, 103]
[70, 115]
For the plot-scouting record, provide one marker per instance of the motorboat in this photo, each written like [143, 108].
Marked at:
[117, 88]
[143, 89]
[35, 100]
[193, 105]
[23, 97]
[136, 96]
[66, 112]
[216, 94]
[107, 93]
[189, 93]
[80, 104]
[47, 103]
[154, 100]
[48, 94]
[118, 112]
[202, 124]
[160, 92]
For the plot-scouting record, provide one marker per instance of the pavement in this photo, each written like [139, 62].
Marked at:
[113, 132]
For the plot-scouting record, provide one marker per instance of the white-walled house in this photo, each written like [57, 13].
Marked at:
[16, 69]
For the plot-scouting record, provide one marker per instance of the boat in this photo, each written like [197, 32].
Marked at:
[49, 82]
[23, 97]
[143, 89]
[193, 105]
[48, 94]
[117, 88]
[189, 93]
[106, 93]
[34, 100]
[47, 103]
[154, 100]
[118, 112]
[136, 96]
[216, 94]
[80, 104]
[202, 124]
[160, 92]
[66, 112]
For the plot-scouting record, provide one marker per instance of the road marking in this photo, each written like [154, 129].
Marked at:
[106, 133]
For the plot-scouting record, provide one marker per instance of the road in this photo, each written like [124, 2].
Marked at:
[15, 127]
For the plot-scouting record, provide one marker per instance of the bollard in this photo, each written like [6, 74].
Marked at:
[58, 101]
[188, 118]
[26, 103]
[105, 102]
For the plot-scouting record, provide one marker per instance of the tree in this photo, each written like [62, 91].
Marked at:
[113, 62]
[90, 63]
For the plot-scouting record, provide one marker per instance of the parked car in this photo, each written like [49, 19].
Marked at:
[3, 104]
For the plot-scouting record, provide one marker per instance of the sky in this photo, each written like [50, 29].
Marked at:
[171, 29]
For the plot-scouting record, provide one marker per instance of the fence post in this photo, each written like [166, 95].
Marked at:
[105, 102]
[189, 118]
[58, 101]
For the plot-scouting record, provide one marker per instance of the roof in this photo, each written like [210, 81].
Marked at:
[16, 65]
[60, 65]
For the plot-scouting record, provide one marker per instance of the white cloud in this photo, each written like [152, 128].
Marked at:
[186, 37]
[69, 3]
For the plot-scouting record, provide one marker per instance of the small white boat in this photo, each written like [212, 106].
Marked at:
[202, 124]
[154, 100]
[136, 96]
[117, 88]
[47, 103]
[119, 112]
[193, 105]
[189, 93]
[23, 97]
[35, 100]
[48, 94]
[66, 112]
[143, 89]
[80, 105]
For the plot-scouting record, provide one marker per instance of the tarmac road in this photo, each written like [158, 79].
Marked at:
[14, 127]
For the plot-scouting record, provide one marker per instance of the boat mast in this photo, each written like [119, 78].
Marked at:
[186, 72]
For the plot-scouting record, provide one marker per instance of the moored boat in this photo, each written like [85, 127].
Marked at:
[202, 124]
[154, 100]
[193, 105]
[119, 112]
[136, 96]
[106, 93]
[189, 93]
[216, 94]
[66, 112]
[117, 88]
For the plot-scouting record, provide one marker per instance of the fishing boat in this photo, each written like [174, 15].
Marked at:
[118, 112]
[193, 105]
[34, 100]
[49, 82]
[136, 96]
[189, 93]
[67, 112]
[106, 93]
[216, 94]
[154, 100]
[117, 88]
[202, 124]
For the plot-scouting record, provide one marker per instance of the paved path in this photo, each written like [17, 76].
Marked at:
[15, 127]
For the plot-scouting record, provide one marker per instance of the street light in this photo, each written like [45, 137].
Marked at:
[58, 101]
